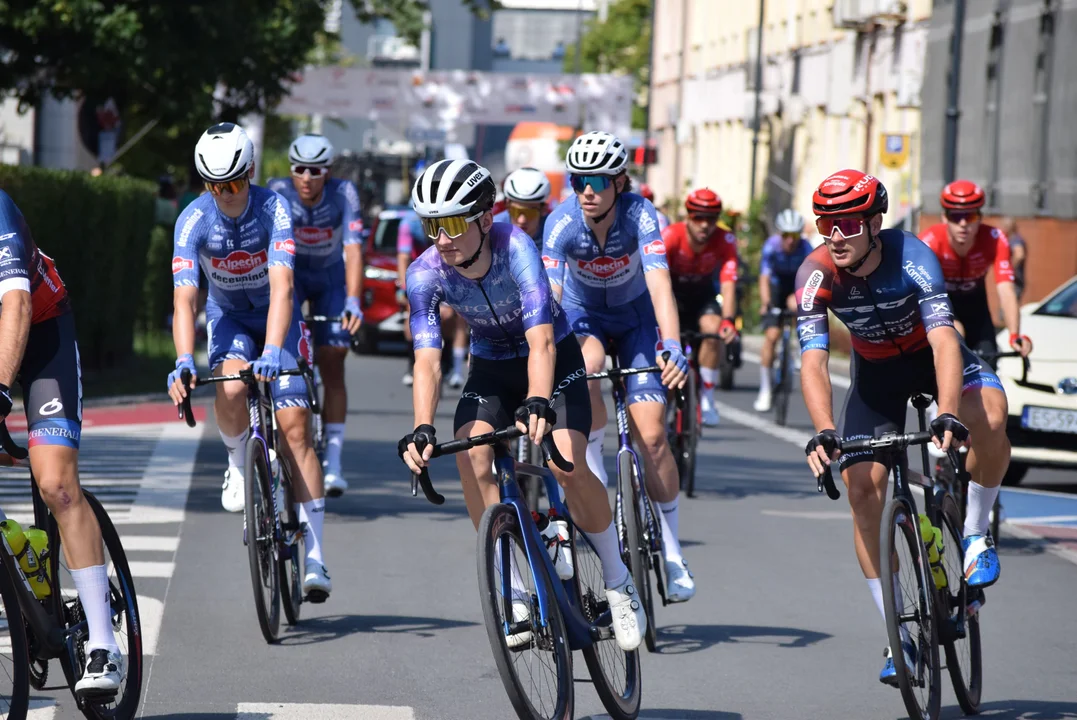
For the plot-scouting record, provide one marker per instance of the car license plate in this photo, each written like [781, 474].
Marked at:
[1049, 419]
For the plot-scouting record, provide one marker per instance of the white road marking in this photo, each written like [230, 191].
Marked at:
[151, 569]
[162, 496]
[305, 711]
[835, 379]
[151, 543]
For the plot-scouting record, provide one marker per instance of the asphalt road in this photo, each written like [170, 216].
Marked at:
[783, 625]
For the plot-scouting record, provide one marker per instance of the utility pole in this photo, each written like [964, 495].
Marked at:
[650, 94]
[758, 92]
[953, 112]
[579, 64]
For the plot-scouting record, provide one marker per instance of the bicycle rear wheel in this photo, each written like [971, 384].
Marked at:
[615, 673]
[545, 651]
[260, 526]
[958, 630]
[908, 597]
[14, 654]
[726, 368]
[637, 553]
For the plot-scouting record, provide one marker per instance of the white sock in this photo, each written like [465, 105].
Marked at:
[334, 435]
[875, 585]
[92, 586]
[667, 516]
[978, 509]
[519, 590]
[764, 379]
[237, 448]
[458, 360]
[312, 513]
[595, 442]
[709, 376]
[614, 571]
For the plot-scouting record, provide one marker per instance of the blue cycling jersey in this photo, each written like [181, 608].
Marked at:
[322, 231]
[780, 265]
[513, 297]
[234, 253]
[610, 276]
[411, 239]
[503, 217]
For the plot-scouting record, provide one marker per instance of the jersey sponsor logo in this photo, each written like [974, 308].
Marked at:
[919, 275]
[239, 262]
[835, 181]
[815, 281]
[807, 330]
[550, 263]
[355, 226]
[313, 235]
[870, 308]
[974, 367]
[7, 236]
[940, 309]
[655, 247]
[556, 230]
[285, 246]
[188, 227]
[854, 292]
[5, 255]
[180, 264]
[304, 344]
[604, 268]
[730, 239]
[281, 219]
[531, 313]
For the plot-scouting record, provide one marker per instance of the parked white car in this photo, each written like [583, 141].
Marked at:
[1042, 425]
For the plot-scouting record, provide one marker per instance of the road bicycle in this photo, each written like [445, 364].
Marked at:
[684, 418]
[319, 438]
[784, 363]
[271, 528]
[925, 599]
[53, 624]
[534, 626]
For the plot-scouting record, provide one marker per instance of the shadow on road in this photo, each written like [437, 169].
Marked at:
[331, 627]
[668, 714]
[1020, 710]
[207, 716]
[681, 639]
[733, 477]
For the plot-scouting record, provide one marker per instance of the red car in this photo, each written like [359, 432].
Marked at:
[382, 317]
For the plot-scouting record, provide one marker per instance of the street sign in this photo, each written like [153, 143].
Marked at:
[893, 150]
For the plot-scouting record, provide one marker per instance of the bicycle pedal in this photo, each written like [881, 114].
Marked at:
[316, 597]
[334, 492]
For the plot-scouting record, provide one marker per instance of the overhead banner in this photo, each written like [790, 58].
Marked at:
[445, 99]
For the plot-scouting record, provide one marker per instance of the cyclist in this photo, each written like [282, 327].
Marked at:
[527, 193]
[410, 244]
[38, 348]
[663, 219]
[886, 286]
[697, 250]
[607, 263]
[325, 216]
[527, 364]
[782, 255]
[240, 235]
[967, 248]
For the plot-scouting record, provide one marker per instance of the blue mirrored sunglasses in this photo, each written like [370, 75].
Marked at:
[598, 183]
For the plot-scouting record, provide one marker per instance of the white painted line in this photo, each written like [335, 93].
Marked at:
[1055, 549]
[148, 569]
[799, 438]
[835, 378]
[306, 711]
[162, 497]
[151, 543]
[41, 709]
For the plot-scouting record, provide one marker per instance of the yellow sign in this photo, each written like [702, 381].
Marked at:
[893, 150]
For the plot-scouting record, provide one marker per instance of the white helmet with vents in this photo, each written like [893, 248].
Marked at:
[223, 153]
[789, 221]
[310, 149]
[597, 153]
[527, 185]
[453, 187]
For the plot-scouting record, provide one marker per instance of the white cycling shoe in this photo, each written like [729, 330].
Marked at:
[521, 610]
[335, 485]
[316, 583]
[708, 410]
[680, 586]
[456, 381]
[629, 617]
[763, 402]
[232, 495]
[105, 670]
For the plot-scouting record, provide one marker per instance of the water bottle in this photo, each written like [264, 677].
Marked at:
[551, 535]
[278, 489]
[29, 548]
[932, 538]
[563, 563]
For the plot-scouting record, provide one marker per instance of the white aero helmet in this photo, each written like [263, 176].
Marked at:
[223, 153]
[527, 185]
[453, 187]
[789, 221]
[310, 149]
[597, 153]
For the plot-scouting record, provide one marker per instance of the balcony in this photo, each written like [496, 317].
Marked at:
[858, 14]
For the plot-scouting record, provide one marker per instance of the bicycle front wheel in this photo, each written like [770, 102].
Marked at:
[692, 421]
[959, 631]
[784, 386]
[908, 597]
[260, 525]
[14, 655]
[636, 550]
[533, 659]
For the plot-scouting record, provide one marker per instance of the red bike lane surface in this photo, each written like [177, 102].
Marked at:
[121, 414]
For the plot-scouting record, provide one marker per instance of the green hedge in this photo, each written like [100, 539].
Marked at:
[98, 230]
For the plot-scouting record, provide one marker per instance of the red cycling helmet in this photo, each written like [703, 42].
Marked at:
[703, 202]
[850, 192]
[962, 195]
[645, 191]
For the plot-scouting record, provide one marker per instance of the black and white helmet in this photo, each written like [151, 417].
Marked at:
[453, 187]
[310, 149]
[527, 185]
[223, 153]
[789, 221]
[597, 153]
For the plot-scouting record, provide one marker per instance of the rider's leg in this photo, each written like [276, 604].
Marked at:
[233, 423]
[594, 358]
[983, 409]
[330, 359]
[766, 363]
[709, 354]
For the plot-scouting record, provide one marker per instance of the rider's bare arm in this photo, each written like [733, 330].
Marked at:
[353, 269]
[281, 302]
[541, 358]
[729, 299]
[184, 310]
[764, 291]
[949, 369]
[1007, 300]
[665, 305]
[815, 382]
[14, 331]
[425, 391]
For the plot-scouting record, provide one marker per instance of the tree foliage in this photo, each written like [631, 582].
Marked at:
[620, 44]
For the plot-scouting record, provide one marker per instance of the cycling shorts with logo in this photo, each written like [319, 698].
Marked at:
[495, 388]
[879, 394]
[240, 335]
[51, 381]
[694, 301]
[325, 291]
[634, 329]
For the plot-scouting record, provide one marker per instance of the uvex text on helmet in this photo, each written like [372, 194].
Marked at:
[453, 187]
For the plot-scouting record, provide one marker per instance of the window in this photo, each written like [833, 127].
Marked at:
[1041, 101]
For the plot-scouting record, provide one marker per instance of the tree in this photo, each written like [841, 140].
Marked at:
[620, 44]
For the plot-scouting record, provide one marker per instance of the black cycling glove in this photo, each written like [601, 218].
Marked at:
[422, 436]
[539, 406]
[828, 439]
[945, 422]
